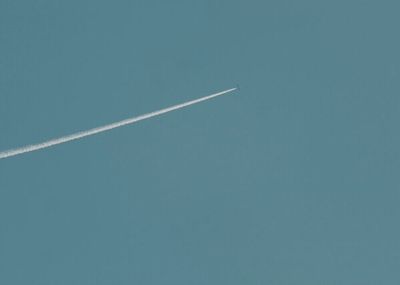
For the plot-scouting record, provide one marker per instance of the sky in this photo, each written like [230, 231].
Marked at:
[292, 180]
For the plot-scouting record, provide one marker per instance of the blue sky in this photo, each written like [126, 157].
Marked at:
[292, 180]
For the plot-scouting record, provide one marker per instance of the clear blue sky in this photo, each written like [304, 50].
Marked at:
[292, 180]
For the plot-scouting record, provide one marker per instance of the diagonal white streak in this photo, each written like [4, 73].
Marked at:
[82, 134]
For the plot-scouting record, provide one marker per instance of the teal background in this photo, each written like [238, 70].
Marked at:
[292, 180]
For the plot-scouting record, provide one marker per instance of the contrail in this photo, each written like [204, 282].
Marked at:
[82, 134]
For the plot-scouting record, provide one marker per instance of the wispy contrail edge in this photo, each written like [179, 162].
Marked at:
[82, 134]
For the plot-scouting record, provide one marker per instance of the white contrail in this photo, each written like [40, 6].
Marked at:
[79, 135]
